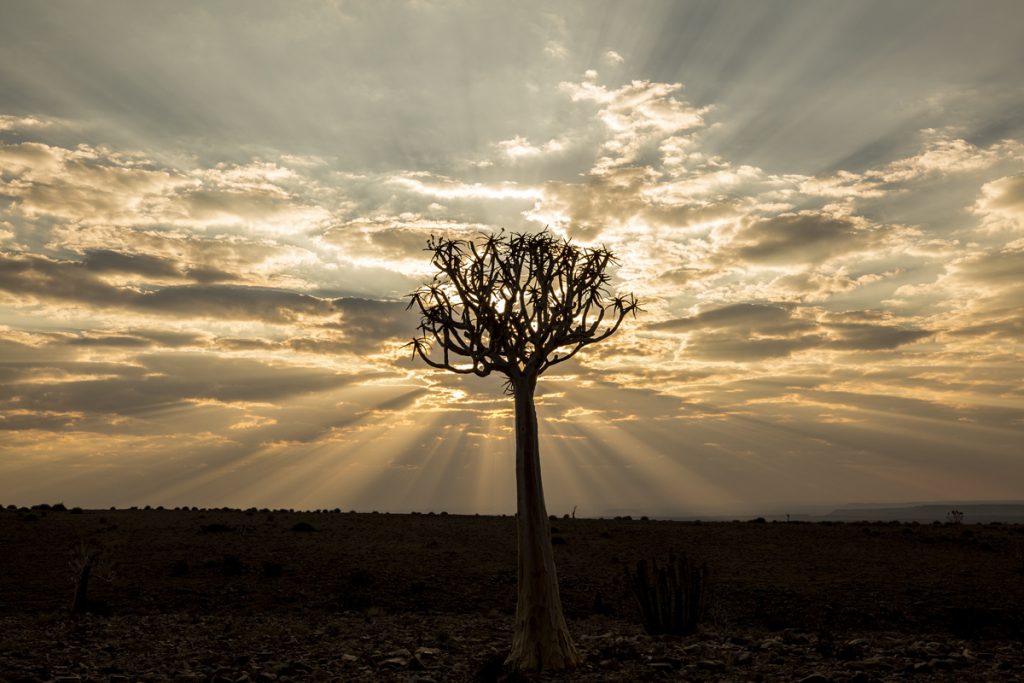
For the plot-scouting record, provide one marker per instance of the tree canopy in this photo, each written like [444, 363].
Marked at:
[515, 303]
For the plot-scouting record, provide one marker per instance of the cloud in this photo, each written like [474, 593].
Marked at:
[519, 148]
[806, 238]
[197, 257]
[743, 316]
[75, 281]
[872, 337]
[368, 321]
[749, 332]
[1002, 203]
[163, 381]
[613, 57]
[623, 197]
[1002, 268]
[637, 115]
[20, 123]
[152, 267]
[943, 155]
[446, 188]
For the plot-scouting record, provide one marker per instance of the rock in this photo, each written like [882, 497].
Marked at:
[672, 662]
[601, 636]
[870, 664]
[400, 652]
[796, 638]
[711, 665]
[349, 658]
[816, 678]
[943, 664]
[394, 663]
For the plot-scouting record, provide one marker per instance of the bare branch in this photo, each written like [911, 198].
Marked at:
[509, 302]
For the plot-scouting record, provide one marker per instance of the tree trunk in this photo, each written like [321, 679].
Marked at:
[541, 639]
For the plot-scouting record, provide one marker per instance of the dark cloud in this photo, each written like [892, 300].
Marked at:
[108, 261]
[112, 340]
[209, 274]
[796, 239]
[45, 421]
[237, 302]
[75, 281]
[1006, 323]
[777, 317]
[753, 331]
[149, 266]
[374, 321]
[170, 338]
[164, 381]
[867, 337]
[1000, 268]
[722, 347]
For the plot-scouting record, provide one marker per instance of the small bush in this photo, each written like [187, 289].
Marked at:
[672, 599]
[215, 528]
[273, 570]
[303, 526]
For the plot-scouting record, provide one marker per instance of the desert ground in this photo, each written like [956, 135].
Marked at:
[272, 595]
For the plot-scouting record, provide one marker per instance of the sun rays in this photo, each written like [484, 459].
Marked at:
[205, 262]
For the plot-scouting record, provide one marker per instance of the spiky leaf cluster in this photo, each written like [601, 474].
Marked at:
[515, 303]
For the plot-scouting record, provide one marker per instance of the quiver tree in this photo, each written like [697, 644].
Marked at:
[518, 304]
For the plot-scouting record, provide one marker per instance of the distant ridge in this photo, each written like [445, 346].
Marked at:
[979, 513]
[974, 512]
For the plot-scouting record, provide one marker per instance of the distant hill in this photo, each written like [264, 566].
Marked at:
[976, 513]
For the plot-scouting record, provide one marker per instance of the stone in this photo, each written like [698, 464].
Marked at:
[710, 665]
[816, 678]
[394, 663]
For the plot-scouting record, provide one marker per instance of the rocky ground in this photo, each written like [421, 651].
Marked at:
[281, 596]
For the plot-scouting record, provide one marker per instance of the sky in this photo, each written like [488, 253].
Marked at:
[212, 213]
